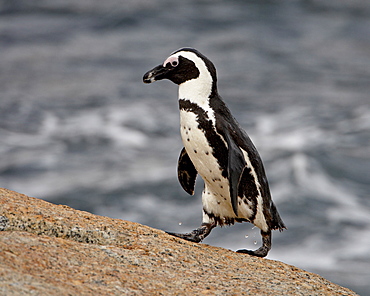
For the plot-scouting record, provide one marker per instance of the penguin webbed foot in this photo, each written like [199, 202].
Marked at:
[197, 235]
[191, 236]
[264, 249]
[260, 252]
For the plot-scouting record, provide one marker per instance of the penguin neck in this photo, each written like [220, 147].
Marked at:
[198, 91]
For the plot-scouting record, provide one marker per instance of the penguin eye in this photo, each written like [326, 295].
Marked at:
[173, 61]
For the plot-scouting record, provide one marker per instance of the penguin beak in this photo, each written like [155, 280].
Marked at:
[157, 73]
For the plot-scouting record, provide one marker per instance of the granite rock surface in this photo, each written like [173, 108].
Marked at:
[48, 249]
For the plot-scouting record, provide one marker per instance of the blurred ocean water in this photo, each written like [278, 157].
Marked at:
[78, 126]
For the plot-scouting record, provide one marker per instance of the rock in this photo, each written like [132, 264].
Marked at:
[48, 249]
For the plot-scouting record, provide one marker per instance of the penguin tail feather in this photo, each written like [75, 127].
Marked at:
[277, 222]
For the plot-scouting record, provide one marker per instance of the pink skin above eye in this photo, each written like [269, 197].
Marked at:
[174, 61]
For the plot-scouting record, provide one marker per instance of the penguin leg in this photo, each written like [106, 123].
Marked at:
[264, 249]
[196, 235]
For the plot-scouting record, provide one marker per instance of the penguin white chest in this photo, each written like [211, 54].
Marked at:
[197, 146]
[216, 196]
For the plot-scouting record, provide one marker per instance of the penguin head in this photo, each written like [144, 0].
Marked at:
[184, 65]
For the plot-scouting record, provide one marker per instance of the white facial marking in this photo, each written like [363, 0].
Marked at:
[196, 90]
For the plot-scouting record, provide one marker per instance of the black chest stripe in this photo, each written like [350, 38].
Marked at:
[214, 140]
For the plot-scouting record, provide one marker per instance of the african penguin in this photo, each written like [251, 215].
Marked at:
[219, 150]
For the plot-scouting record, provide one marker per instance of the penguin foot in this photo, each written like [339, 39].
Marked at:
[264, 249]
[197, 235]
[192, 237]
[261, 252]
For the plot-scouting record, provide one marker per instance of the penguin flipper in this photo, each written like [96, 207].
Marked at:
[186, 172]
[235, 167]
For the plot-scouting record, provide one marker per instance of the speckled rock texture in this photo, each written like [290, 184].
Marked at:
[48, 249]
